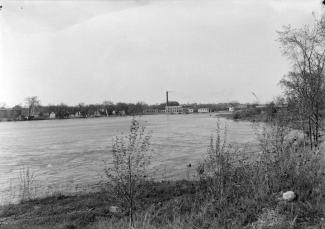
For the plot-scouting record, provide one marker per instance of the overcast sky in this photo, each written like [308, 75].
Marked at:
[91, 51]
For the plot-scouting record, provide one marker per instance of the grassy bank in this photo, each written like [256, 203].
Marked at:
[241, 196]
[180, 204]
[246, 115]
[79, 211]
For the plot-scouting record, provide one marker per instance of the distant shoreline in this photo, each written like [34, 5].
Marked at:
[111, 116]
[253, 118]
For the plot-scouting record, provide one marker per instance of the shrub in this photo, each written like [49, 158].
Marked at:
[129, 172]
[239, 190]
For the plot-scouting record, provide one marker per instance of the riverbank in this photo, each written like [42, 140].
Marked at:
[179, 204]
[84, 209]
[65, 118]
[250, 196]
[244, 116]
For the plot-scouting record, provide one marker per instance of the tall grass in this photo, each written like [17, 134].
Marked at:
[27, 186]
[237, 193]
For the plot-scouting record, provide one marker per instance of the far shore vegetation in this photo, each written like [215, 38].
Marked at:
[228, 190]
[33, 110]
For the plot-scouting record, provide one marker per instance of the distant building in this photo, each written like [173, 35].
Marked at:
[21, 118]
[241, 106]
[122, 112]
[174, 109]
[151, 111]
[113, 112]
[232, 108]
[97, 114]
[52, 115]
[78, 114]
[103, 112]
[203, 110]
[190, 110]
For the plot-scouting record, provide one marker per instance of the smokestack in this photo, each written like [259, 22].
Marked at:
[166, 98]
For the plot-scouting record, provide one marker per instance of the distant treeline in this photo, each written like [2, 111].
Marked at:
[110, 108]
[33, 108]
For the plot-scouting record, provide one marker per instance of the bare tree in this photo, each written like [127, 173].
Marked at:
[32, 103]
[131, 157]
[305, 84]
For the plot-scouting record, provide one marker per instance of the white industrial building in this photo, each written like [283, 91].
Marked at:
[174, 109]
[203, 110]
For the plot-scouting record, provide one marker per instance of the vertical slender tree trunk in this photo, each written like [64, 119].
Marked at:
[130, 191]
[317, 124]
[310, 133]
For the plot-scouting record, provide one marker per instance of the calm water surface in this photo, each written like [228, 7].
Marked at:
[67, 153]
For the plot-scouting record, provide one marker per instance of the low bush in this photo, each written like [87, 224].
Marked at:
[247, 113]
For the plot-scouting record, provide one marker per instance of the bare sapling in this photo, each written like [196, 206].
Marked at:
[215, 167]
[131, 157]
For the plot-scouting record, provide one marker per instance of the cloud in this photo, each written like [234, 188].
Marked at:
[301, 5]
[307, 6]
[35, 16]
[212, 50]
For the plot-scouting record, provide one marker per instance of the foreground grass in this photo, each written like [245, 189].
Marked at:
[80, 211]
[178, 204]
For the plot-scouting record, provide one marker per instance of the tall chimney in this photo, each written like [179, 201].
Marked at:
[166, 98]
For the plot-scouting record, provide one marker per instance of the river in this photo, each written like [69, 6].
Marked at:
[68, 155]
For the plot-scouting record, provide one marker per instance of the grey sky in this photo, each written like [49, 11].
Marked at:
[91, 51]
